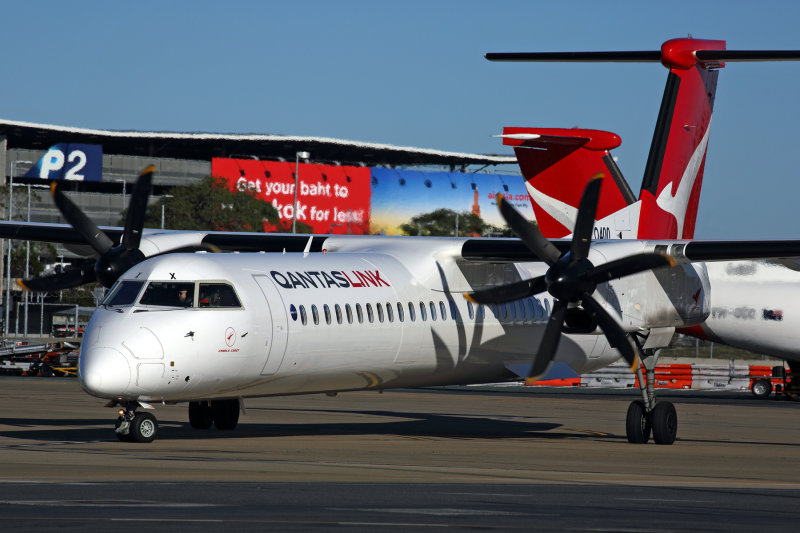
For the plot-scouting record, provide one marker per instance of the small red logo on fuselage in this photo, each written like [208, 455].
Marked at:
[230, 336]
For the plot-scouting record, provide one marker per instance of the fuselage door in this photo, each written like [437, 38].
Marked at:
[277, 337]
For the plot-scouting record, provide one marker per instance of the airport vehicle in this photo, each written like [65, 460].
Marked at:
[40, 359]
[767, 379]
[753, 303]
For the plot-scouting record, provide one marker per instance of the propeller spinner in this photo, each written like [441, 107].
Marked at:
[571, 278]
[113, 261]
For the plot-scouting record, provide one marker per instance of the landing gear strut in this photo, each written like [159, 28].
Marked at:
[133, 426]
[646, 415]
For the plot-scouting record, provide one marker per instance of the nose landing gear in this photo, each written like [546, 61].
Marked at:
[133, 426]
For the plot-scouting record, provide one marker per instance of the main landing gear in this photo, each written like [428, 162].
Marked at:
[646, 416]
[223, 414]
[133, 426]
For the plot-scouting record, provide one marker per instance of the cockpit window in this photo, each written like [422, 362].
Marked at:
[168, 294]
[123, 293]
[217, 295]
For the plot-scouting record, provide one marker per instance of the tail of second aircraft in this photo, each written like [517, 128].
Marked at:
[557, 164]
[670, 192]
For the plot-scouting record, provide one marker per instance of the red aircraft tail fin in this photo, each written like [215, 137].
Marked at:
[557, 164]
[674, 172]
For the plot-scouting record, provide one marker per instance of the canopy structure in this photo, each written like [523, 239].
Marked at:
[204, 146]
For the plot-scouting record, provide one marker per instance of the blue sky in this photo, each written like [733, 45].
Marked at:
[412, 73]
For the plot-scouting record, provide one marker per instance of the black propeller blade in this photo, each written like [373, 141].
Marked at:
[113, 260]
[528, 232]
[571, 279]
[62, 280]
[137, 209]
[93, 235]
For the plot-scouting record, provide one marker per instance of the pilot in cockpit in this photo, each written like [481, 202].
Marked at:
[184, 299]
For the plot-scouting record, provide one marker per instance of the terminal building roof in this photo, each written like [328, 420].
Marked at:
[204, 146]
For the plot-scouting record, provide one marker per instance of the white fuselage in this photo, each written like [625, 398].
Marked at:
[289, 336]
[754, 307]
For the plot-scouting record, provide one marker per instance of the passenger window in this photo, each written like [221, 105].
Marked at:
[453, 310]
[359, 314]
[442, 310]
[370, 317]
[338, 311]
[167, 294]
[293, 312]
[411, 316]
[315, 314]
[481, 311]
[349, 312]
[303, 317]
[399, 311]
[521, 309]
[389, 312]
[433, 310]
[512, 311]
[470, 310]
[217, 295]
[422, 315]
[327, 311]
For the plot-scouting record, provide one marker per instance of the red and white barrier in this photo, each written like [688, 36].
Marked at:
[699, 376]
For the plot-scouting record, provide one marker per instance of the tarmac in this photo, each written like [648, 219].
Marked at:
[494, 458]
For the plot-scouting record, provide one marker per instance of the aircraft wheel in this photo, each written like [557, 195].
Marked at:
[761, 388]
[144, 427]
[637, 423]
[226, 413]
[201, 416]
[665, 423]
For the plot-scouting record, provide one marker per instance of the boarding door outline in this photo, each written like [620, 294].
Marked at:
[276, 337]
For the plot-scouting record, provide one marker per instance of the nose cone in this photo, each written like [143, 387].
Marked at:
[104, 372]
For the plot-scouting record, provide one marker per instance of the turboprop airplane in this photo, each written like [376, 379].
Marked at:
[753, 303]
[368, 312]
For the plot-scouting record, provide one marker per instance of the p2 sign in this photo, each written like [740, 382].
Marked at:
[68, 161]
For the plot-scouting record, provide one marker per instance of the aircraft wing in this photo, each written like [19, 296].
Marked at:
[476, 249]
[680, 250]
[226, 241]
[55, 233]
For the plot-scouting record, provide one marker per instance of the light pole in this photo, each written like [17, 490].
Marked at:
[10, 242]
[27, 262]
[298, 156]
[163, 203]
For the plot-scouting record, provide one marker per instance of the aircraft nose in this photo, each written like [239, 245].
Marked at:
[104, 372]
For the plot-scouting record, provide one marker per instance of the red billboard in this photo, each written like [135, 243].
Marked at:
[330, 199]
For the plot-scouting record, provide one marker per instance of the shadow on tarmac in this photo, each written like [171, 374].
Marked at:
[412, 425]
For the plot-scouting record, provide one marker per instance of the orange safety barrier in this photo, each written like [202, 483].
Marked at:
[670, 376]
